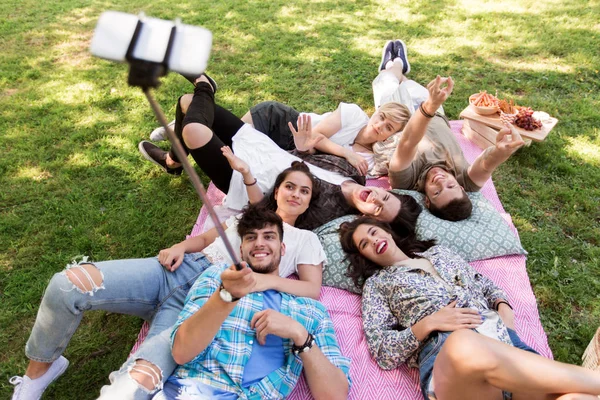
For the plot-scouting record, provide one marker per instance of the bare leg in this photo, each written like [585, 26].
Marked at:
[484, 365]
[184, 102]
[247, 118]
[35, 369]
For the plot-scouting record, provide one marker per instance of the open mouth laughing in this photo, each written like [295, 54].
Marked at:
[364, 195]
[381, 247]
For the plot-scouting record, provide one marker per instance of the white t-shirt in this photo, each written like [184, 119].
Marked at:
[266, 161]
[301, 247]
[353, 120]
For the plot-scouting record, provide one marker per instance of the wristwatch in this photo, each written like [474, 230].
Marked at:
[226, 296]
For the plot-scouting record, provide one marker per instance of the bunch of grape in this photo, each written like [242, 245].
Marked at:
[526, 121]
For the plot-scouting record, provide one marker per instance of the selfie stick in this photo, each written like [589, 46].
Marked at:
[145, 74]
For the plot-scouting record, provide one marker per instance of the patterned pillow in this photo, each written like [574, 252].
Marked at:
[336, 266]
[483, 235]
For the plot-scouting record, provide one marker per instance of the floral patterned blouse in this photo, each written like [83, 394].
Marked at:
[397, 297]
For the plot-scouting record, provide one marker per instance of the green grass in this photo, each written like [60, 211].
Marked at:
[72, 181]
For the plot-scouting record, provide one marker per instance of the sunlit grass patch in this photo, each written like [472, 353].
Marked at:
[72, 180]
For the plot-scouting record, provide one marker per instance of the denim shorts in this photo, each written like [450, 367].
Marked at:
[433, 346]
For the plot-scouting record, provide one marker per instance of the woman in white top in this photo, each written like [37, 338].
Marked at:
[347, 132]
[155, 289]
[205, 129]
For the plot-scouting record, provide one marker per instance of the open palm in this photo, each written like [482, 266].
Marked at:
[304, 138]
[235, 162]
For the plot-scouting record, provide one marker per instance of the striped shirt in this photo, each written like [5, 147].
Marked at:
[221, 364]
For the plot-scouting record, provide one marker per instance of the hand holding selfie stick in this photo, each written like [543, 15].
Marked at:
[151, 47]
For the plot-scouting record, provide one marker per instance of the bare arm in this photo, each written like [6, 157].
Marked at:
[309, 285]
[508, 141]
[330, 124]
[308, 139]
[199, 330]
[330, 147]
[255, 195]
[507, 315]
[417, 125]
[172, 257]
[325, 380]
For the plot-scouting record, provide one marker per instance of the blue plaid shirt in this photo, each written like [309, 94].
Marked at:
[221, 364]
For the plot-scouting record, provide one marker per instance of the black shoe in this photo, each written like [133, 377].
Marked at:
[387, 54]
[192, 79]
[158, 156]
[400, 51]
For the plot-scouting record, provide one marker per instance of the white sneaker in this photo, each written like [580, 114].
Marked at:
[159, 133]
[32, 389]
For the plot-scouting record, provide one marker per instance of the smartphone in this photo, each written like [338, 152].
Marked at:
[189, 52]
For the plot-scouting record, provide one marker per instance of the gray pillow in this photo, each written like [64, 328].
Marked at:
[483, 235]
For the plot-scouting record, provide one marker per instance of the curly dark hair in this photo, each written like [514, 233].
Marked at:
[456, 210]
[313, 212]
[257, 217]
[360, 267]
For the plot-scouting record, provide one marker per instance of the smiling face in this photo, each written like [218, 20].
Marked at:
[376, 202]
[294, 194]
[376, 245]
[441, 187]
[379, 128]
[262, 249]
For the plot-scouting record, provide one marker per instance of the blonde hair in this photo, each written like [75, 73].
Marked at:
[395, 112]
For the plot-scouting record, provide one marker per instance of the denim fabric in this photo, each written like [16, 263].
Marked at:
[191, 389]
[432, 347]
[140, 287]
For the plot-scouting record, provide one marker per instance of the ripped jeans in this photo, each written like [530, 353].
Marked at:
[140, 287]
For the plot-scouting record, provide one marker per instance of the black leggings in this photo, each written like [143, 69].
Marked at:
[224, 126]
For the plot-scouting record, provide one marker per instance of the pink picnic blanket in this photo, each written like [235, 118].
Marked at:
[368, 380]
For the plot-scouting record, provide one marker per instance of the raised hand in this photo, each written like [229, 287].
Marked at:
[357, 162]
[304, 138]
[271, 322]
[238, 283]
[235, 162]
[172, 257]
[439, 90]
[508, 140]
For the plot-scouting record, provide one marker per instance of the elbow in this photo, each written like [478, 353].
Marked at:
[315, 292]
[179, 357]
[178, 351]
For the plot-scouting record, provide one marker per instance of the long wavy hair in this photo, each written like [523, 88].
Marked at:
[362, 268]
[313, 211]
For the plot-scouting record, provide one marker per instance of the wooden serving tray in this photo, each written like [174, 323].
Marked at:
[493, 121]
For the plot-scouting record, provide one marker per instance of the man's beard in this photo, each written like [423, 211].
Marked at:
[266, 269]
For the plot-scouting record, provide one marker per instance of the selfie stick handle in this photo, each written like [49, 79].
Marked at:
[191, 172]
